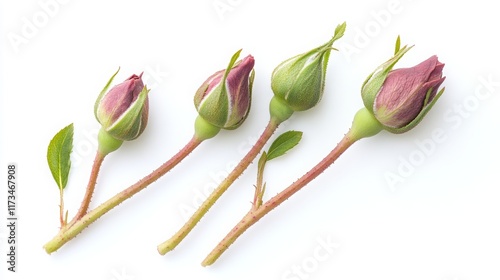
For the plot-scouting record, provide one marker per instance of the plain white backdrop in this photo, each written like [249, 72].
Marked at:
[438, 218]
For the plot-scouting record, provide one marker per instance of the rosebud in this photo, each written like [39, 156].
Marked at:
[123, 110]
[400, 98]
[299, 81]
[223, 100]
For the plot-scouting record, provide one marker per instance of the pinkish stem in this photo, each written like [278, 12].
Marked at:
[69, 232]
[171, 243]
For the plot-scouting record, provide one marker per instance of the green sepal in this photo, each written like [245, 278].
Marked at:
[309, 77]
[398, 45]
[426, 107]
[130, 124]
[339, 31]
[224, 98]
[103, 92]
[218, 98]
[215, 106]
[300, 80]
[373, 83]
[230, 66]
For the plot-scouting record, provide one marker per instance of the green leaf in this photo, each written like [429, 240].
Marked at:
[283, 144]
[58, 155]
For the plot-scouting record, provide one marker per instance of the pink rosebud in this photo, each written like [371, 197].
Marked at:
[400, 98]
[224, 99]
[407, 91]
[123, 110]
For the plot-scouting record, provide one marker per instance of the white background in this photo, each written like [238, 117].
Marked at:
[440, 221]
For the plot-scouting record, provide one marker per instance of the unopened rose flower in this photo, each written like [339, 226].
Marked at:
[299, 81]
[297, 84]
[400, 98]
[395, 100]
[123, 110]
[224, 99]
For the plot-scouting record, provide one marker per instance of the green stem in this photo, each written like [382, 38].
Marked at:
[364, 125]
[171, 243]
[84, 207]
[260, 187]
[61, 207]
[69, 232]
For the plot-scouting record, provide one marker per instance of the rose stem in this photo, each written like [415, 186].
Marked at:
[99, 158]
[68, 233]
[364, 125]
[61, 207]
[171, 243]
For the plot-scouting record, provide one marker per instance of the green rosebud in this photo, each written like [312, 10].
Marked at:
[122, 112]
[298, 82]
[400, 98]
[223, 100]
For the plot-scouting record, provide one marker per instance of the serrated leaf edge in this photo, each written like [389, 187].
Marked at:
[291, 138]
[59, 144]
